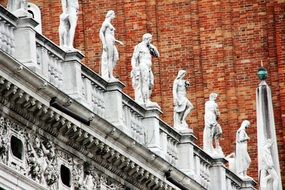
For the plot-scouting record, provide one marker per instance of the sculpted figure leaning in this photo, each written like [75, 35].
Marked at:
[110, 54]
[268, 175]
[142, 75]
[182, 106]
[212, 130]
[242, 157]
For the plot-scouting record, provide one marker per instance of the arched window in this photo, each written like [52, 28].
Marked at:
[17, 147]
[65, 175]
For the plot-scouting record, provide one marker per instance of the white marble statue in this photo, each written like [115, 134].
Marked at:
[182, 106]
[242, 159]
[18, 7]
[142, 75]
[269, 179]
[110, 54]
[212, 130]
[68, 22]
[63, 30]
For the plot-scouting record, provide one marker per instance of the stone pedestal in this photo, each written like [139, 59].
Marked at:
[25, 43]
[185, 152]
[248, 185]
[72, 79]
[114, 105]
[218, 175]
[151, 124]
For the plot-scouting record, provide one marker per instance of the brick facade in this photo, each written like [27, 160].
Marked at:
[219, 43]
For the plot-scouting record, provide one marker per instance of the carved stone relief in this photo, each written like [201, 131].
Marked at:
[3, 142]
[41, 160]
[49, 125]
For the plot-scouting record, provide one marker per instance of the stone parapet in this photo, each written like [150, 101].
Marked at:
[123, 137]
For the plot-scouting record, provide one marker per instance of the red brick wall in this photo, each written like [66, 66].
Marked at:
[219, 43]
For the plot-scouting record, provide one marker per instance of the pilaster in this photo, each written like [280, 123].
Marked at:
[114, 105]
[186, 153]
[25, 43]
[218, 175]
[72, 79]
[151, 124]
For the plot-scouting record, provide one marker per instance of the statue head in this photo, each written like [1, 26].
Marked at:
[181, 74]
[213, 96]
[37, 143]
[48, 144]
[245, 124]
[147, 37]
[110, 14]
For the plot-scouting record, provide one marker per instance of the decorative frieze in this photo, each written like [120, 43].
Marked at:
[39, 163]
[7, 36]
[44, 162]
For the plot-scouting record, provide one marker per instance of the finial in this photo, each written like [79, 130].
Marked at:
[262, 72]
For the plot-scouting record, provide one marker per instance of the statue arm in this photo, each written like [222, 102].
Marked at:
[155, 50]
[246, 137]
[102, 34]
[217, 112]
[135, 73]
[174, 91]
[231, 155]
[119, 42]
[242, 136]
[187, 84]
[64, 6]
[135, 57]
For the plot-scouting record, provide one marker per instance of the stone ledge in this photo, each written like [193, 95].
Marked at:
[102, 126]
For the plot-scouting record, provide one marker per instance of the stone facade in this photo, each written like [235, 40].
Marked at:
[220, 46]
[219, 43]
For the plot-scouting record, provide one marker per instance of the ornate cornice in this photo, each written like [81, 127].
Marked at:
[75, 135]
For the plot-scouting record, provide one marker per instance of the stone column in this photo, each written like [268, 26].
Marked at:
[266, 132]
[114, 105]
[186, 153]
[25, 43]
[151, 126]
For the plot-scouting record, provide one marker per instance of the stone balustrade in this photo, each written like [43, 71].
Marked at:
[133, 120]
[202, 168]
[108, 102]
[7, 32]
[49, 61]
[93, 93]
[233, 182]
[169, 140]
